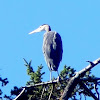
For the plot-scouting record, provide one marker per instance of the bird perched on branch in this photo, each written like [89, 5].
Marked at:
[52, 47]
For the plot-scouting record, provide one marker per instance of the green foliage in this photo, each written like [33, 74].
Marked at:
[56, 89]
[67, 72]
[35, 76]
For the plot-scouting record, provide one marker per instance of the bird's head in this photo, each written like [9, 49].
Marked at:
[43, 27]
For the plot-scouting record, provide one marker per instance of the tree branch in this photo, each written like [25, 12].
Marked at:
[72, 82]
[96, 89]
[20, 94]
[42, 83]
[75, 80]
[32, 86]
[90, 79]
[42, 91]
[51, 92]
[88, 90]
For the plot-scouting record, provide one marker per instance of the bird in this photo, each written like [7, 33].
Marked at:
[52, 47]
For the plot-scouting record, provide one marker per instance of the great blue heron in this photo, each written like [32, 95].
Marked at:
[52, 47]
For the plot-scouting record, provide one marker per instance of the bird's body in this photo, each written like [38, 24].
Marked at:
[52, 47]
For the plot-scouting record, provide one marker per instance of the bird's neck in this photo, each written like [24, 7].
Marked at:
[47, 29]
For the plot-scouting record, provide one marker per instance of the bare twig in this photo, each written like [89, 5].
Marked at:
[43, 83]
[20, 94]
[88, 90]
[42, 92]
[51, 92]
[90, 79]
[89, 67]
[96, 89]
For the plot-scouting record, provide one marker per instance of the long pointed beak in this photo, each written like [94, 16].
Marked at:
[36, 30]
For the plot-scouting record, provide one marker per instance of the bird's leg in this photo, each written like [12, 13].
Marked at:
[50, 75]
[58, 78]
[57, 72]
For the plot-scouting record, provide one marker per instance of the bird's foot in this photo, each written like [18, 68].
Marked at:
[58, 79]
[51, 81]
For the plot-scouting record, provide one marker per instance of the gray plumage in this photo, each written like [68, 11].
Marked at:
[52, 47]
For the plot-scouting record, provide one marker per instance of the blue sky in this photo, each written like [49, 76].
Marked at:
[77, 21]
